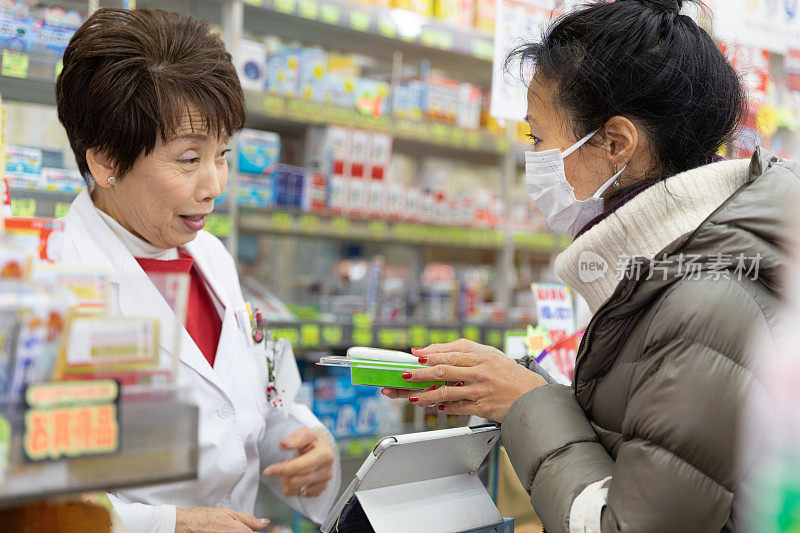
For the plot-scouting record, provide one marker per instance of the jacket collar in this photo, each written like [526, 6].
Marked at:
[97, 245]
[645, 225]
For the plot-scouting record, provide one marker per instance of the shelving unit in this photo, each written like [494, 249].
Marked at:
[158, 444]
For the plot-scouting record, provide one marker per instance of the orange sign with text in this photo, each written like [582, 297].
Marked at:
[71, 419]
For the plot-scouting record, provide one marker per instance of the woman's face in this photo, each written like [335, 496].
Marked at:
[168, 193]
[588, 167]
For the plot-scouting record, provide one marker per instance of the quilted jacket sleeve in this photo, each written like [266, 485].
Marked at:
[676, 468]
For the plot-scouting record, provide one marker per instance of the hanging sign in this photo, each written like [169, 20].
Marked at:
[554, 309]
[772, 25]
[516, 22]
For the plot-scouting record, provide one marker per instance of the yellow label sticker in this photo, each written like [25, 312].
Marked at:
[15, 64]
[284, 6]
[282, 221]
[362, 337]
[330, 14]
[23, 207]
[359, 20]
[309, 335]
[60, 209]
[332, 336]
[308, 9]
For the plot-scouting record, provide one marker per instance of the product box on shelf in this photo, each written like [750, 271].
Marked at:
[46, 233]
[336, 89]
[442, 99]
[456, 12]
[428, 208]
[485, 15]
[380, 157]
[257, 190]
[396, 200]
[376, 198]
[251, 64]
[345, 409]
[259, 152]
[316, 192]
[328, 150]
[360, 146]
[338, 194]
[290, 187]
[423, 7]
[15, 32]
[23, 164]
[51, 35]
[470, 98]
[313, 64]
[62, 179]
[411, 209]
[408, 100]
[371, 97]
[283, 72]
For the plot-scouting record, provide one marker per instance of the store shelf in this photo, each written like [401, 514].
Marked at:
[320, 336]
[270, 111]
[326, 225]
[158, 444]
[374, 30]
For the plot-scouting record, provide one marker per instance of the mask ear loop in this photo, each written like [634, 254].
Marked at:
[578, 144]
[614, 179]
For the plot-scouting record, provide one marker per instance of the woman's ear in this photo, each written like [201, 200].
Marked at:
[622, 139]
[100, 166]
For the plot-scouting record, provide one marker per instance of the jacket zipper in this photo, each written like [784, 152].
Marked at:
[592, 323]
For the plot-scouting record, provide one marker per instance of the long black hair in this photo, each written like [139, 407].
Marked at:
[643, 60]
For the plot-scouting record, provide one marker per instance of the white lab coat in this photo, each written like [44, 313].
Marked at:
[238, 432]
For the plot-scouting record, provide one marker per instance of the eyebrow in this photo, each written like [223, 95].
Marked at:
[191, 136]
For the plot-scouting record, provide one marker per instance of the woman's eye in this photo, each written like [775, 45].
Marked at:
[190, 160]
[225, 152]
[536, 140]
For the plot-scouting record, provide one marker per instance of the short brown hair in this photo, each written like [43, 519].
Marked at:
[129, 76]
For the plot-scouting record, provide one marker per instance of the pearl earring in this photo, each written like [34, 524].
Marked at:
[616, 181]
[111, 180]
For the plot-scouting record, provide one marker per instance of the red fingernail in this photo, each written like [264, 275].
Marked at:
[423, 359]
[440, 407]
[406, 375]
[413, 399]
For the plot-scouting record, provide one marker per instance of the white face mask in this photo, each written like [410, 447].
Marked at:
[555, 197]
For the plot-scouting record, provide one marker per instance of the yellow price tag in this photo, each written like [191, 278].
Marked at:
[330, 14]
[282, 221]
[359, 20]
[308, 9]
[309, 335]
[15, 64]
[23, 207]
[60, 209]
[284, 6]
[219, 225]
[362, 337]
[332, 335]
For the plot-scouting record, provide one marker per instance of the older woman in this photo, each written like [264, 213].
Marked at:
[149, 100]
[628, 106]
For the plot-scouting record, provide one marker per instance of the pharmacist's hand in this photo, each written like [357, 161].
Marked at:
[214, 519]
[312, 467]
[487, 382]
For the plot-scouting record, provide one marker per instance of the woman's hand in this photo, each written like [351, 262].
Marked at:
[487, 382]
[311, 469]
[216, 519]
